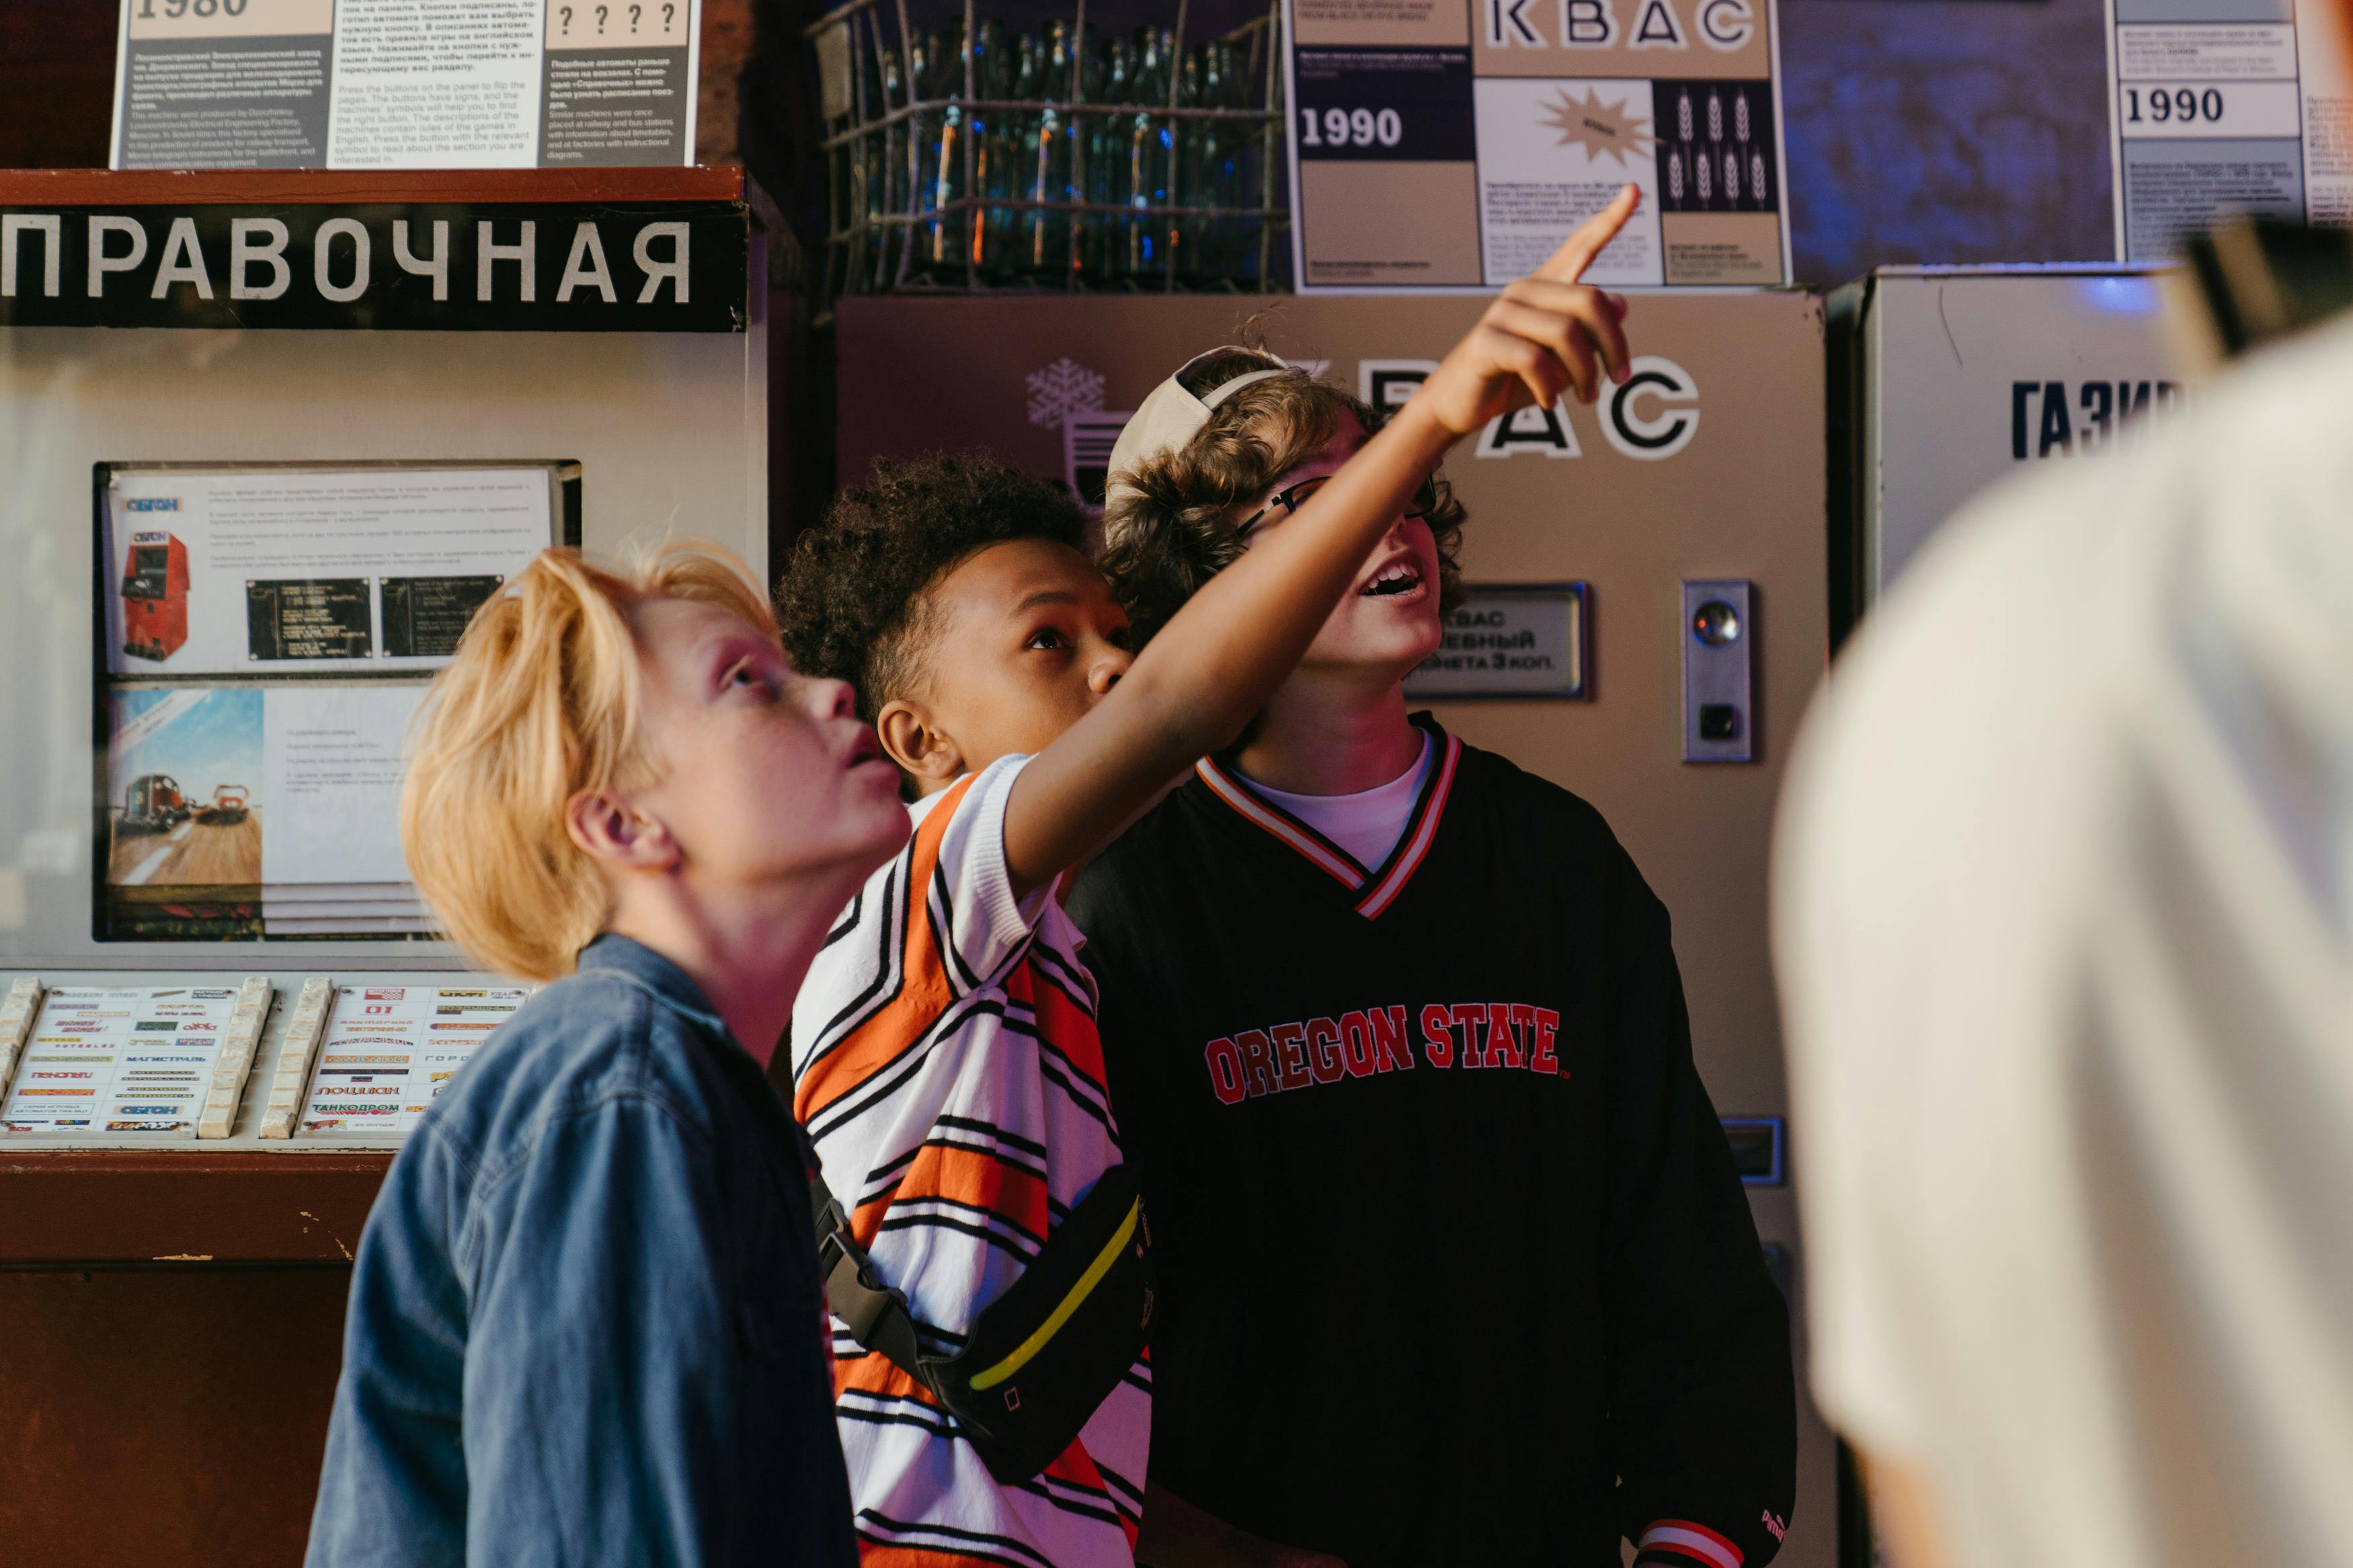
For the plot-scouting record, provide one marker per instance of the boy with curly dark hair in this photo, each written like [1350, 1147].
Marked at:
[854, 599]
[944, 1047]
[1454, 1264]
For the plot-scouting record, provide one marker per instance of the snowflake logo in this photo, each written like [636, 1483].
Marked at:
[1061, 389]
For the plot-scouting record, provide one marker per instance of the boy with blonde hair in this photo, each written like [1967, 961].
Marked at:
[945, 1054]
[584, 1315]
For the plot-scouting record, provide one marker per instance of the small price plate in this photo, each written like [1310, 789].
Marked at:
[1510, 640]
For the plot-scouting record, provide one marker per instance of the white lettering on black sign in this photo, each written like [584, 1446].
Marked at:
[554, 266]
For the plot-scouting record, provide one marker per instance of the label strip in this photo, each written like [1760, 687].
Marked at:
[294, 1075]
[17, 1014]
[235, 1062]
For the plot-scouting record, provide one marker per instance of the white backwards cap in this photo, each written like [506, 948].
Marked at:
[1173, 414]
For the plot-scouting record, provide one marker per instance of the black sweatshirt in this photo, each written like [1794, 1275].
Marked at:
[1454, 1264]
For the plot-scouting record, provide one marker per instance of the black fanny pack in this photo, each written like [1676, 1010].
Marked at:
[1043, 1356]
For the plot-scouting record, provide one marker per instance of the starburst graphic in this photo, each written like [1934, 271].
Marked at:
[1600, 126]
[1061, 389]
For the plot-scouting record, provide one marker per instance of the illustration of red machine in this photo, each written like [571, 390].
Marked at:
[154, 803]
[155, 597]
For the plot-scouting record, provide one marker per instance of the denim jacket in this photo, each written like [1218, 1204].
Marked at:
[584, 1321]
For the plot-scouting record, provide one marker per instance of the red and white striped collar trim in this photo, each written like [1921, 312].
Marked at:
[1380, 886]
[1679, 1539]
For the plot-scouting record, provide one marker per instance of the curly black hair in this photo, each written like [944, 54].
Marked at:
[1168, 529]
[853, 600]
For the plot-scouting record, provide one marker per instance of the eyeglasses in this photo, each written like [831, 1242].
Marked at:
[1424, 501]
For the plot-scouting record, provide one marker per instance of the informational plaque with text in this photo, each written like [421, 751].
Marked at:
[390, 1050]
[119, 1060]
[1455, 143]
[271, 629]
[2225, 106]
[404, 84]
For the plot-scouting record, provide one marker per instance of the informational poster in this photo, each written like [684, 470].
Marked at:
[270, 630]
[119, 1060]
[251, 810]
[286, 793]
[404, 84]
[305, 571]
[2225, 106]
[388, 1050]
[1455, 143]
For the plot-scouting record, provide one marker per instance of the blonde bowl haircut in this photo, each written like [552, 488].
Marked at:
[1167, 529]
[541, 702]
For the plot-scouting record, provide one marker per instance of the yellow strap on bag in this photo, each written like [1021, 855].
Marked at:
[1070, 1304]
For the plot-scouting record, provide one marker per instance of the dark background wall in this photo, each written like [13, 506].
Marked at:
[1945, 131]
[1918, 130]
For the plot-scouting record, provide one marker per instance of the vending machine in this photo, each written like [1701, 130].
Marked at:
[1647, 608]
[1948, 380]
[155, 597]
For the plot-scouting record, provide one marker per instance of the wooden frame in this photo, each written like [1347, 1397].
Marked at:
[235, 187]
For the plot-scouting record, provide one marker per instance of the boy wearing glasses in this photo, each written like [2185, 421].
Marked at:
[945, 1052]
[1454, 1264]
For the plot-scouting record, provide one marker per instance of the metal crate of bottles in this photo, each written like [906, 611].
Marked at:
[1064, 158]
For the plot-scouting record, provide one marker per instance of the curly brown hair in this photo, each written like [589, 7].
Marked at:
[854, 601]
[1166, 529]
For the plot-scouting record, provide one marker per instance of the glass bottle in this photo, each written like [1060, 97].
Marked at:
[1226, 87]
[944, 256]
[1047, 253]
[923, 127]
[991, 130]
[1195, 140]
[1254, 145]
[1148, 157]
[1106, 162]
[1017, 160]
[893, 238]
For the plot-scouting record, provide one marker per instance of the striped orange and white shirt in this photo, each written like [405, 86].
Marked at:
[947, 1065]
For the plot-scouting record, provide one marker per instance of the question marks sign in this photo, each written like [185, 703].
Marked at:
[669, 11]
[635, 12]
[566, 12]
[602, 12]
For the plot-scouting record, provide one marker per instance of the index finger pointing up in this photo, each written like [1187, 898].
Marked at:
[1576, 252]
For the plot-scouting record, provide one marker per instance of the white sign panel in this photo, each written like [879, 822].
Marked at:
[1974, 375]
[389, 1050]
[117, 1060]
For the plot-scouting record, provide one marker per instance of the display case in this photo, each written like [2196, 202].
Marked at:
[266, 441]
[970, 147]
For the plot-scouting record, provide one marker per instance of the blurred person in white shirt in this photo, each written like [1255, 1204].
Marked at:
[2064, 920]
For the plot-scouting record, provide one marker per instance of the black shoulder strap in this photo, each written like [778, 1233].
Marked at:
[876, 1314]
